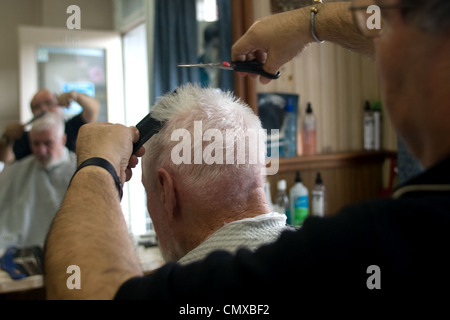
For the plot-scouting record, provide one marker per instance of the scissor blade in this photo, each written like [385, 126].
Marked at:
[207, 65]
[35, 118]
[200, 65]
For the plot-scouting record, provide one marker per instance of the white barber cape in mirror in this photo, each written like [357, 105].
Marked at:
[30, 196]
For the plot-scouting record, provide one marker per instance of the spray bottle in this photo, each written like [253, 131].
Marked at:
[319, 198]
[281, 204]
[376, 111]
[309, 132]
[369, 130]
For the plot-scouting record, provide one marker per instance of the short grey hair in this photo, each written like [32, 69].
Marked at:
[48, 121]
[216, 110]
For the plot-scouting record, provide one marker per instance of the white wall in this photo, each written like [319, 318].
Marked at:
[96, 14]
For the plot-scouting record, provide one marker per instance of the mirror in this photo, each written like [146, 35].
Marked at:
[64, 69]
[214, 41]
[62, 60]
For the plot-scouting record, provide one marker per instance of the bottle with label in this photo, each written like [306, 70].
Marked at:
[376, 111]
[298, 198]
[318, 201]
[281, 204]
[309, 132]
[369, 123]
[290, 131]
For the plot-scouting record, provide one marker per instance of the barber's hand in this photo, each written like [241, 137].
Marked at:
[66, 98]
[112, 142]
[274, 40]
[14, 131]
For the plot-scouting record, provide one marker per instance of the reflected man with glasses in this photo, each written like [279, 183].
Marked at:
[15, 145]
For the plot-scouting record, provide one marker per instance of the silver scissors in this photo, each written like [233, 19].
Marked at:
[253, 66]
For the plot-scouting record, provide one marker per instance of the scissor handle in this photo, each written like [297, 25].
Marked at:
[253, 66]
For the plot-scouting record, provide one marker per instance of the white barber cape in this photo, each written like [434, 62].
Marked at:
[250, 233]
[30, 196]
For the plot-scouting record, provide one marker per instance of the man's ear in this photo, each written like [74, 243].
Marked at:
[167, 192]
[64, 139]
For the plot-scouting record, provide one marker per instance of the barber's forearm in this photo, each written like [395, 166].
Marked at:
[91, 107]
[89, 227]
[334, 23]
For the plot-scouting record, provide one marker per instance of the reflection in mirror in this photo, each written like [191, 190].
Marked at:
[73, 69]
[208, 41]
[214, 26]
[187, 36]
[210, 52]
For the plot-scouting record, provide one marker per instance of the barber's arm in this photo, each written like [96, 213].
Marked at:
[14, 130]
[91, 106]
[89, 231]
[278, 38]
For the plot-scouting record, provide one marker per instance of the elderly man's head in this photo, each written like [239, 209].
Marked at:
[45, 101]
[204, 168]
[47, 138]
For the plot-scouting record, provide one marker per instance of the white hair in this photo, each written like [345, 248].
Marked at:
[49, 120]
[219, 111]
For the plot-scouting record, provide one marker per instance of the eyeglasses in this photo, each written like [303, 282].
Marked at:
[47, 103]
[368, 18]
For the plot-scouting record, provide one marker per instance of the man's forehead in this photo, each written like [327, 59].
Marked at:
[48, 132]
[43, 95]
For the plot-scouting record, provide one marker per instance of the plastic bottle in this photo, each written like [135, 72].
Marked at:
[369, 123]
[318, 201]
[281, 204]
[309, 132]
[290, 132]
[376, 110]
[298, 198]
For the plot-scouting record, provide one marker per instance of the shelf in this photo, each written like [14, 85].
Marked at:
[334, 160]
[348, 176]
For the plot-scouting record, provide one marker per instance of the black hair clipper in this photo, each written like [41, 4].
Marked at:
[147, 127]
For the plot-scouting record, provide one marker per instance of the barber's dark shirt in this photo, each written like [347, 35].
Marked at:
[330, 259]
[22, 146]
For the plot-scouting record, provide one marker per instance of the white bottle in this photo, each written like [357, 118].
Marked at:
[376, 109]
[318, 201]
[281, 204]
[369, 130]
[298, 198]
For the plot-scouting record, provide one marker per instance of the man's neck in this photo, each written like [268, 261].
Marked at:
[203, 221]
